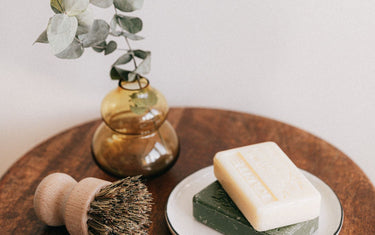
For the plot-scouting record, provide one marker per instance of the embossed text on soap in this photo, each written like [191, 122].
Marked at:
[250, 177]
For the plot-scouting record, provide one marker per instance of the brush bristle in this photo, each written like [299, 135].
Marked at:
[123, 207]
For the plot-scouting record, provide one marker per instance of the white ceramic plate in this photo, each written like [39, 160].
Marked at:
[179, 210]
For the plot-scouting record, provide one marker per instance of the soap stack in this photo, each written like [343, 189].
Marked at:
[258, 191]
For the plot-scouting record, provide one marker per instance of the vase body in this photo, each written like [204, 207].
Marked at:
[135, 138]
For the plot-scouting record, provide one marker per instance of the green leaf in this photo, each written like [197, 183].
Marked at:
[102, 3]
[124, 59]
[99, 47]
[116, 33]
[119, 74]
[98, 32]
[141, 54]
[113, 27]
[113, 24]
[144, 98]
[85, 20]
[145, 66]
[111, 47]
[42, 37]
[61, 30]
[131, 36]
[57, 6]
[75, 7]
[129, 23]
[142, 101]
[138, 109]
[74, 50]
[131, 76]
[128, 5]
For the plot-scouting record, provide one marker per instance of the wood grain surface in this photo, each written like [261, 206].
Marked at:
[202, 133]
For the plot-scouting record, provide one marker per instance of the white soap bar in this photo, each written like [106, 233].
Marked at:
[266, 186]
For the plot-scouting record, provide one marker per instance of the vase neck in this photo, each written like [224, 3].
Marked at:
[137, 84]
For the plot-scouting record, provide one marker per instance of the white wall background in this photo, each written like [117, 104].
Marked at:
[308, 63]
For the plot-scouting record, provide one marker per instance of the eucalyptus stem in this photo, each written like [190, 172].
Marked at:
[134, 61]
[133, 56]
[131, 51]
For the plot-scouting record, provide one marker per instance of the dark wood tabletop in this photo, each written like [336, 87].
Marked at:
[202, 132]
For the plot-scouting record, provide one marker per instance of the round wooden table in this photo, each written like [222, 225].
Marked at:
[202, 133]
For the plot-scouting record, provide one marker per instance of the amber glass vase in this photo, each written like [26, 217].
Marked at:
[135, 138]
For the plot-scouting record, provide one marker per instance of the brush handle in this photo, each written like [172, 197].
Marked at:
[60, 200]
[50, 197]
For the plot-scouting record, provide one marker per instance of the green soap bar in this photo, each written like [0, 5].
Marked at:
[213, 207]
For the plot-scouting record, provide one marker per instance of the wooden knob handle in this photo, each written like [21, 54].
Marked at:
[60, 200]
[50, 197]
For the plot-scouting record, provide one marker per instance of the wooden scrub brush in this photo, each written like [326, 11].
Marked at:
[94, 206]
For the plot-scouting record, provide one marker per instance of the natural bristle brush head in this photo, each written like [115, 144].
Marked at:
[121, 208]
[94, 206]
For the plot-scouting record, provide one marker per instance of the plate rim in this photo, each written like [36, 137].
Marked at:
[338, 200]
[174, 232]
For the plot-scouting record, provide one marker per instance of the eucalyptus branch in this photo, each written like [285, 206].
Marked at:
[134, 61]
[131, 52]
[83, 32]
[127, 42]
[73, 29]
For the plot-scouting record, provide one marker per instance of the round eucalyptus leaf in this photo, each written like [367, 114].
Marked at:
[57, 6]
[144, 98]
[140, 110]
[61, 30]
[75, 7]
[85, 20]
[128, 5]
[111, 47]
[74, 50]
[131, 36]
[124, 59]
[145, 66]
[152, 98]
[42, 37]
[113, 27]
[113, 24]
[99, 47]
[98, 32]
[141, 54]
[143, 101]
[114, 32]
[129, 23]
[132, 76]
[102, 3]
[119, 74]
